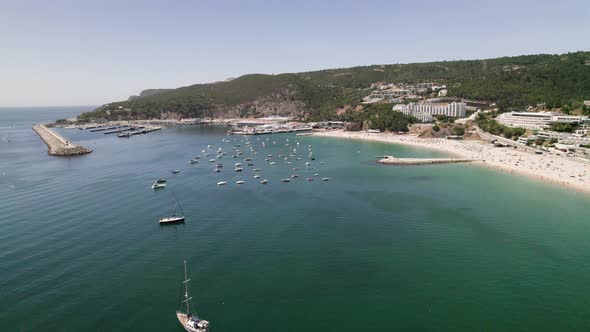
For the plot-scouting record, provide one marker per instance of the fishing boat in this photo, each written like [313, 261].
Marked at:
[173, 219]
[158, 184]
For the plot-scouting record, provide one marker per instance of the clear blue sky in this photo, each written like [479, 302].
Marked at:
[56, 52]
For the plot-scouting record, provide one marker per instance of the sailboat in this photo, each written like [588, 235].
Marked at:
[173, 218]
[190, 322]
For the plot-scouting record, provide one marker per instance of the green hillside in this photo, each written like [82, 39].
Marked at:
[511, 82]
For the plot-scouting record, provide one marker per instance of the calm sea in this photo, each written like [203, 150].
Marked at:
[376, 248]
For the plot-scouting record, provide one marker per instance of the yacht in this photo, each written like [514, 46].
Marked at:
[190, 321]
[173, 218]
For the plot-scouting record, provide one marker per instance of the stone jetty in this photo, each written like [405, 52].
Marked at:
[391, 160]
[57, 145]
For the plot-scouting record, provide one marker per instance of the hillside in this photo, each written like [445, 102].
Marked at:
[511, 82]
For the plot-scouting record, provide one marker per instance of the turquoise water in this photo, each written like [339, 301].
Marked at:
[377, 248]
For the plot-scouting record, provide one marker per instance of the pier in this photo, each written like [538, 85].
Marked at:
[57, 145]
[391, 160]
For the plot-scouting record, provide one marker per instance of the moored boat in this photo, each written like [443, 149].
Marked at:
[173, 218]
[158, 184]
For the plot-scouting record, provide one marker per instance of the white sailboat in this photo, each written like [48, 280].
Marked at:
[173, 218]
[190, 322]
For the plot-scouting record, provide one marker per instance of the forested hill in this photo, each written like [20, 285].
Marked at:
[511, 82]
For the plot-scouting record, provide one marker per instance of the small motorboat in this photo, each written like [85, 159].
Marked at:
[308, 164]
[221, 183]
[240, 182]
[160, 183]
[176, 171]
[212, 160]
[219, 165]
[238, 164]
[256, 169]
[325, 179]
[238, 169]
[272, 163]
[256, 176]
[193, 161]
[248, 159]
[250, 164]
[285, 180]
[294, 176]
[309, 178]
[264, 181]
[217, 170]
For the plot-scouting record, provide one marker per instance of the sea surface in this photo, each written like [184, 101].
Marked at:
[376, 248]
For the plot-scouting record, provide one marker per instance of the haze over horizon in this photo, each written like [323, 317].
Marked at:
[95, 52]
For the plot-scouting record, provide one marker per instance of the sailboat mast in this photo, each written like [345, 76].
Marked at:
[186, 290]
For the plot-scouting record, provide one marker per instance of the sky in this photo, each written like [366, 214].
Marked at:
[78, 52]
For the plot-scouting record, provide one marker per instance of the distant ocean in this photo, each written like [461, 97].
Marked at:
[376, 248]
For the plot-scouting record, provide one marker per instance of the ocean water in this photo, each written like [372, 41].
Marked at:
[376, 248]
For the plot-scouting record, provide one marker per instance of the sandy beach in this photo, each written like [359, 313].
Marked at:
[573, 173]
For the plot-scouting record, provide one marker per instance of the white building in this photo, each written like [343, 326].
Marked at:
[535, 121]
[527, 120]
[449, 109]
[421, 116]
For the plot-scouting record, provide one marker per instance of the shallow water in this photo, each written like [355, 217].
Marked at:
[376, 248]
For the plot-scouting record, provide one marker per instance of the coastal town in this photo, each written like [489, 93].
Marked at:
[546, 144]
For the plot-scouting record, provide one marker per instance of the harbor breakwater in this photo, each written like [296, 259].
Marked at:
[57, 145]
[391, 160]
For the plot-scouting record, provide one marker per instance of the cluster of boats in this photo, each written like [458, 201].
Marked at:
[288, 158]
[190, 321]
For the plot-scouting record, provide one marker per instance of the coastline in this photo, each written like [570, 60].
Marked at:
[562, 171]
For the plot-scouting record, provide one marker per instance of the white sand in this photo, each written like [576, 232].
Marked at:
[574, 173]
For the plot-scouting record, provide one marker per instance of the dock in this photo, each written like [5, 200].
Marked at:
[391, 160]
[57, 145]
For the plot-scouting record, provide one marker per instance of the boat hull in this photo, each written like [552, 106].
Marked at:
[183, 319]
[171, 220]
